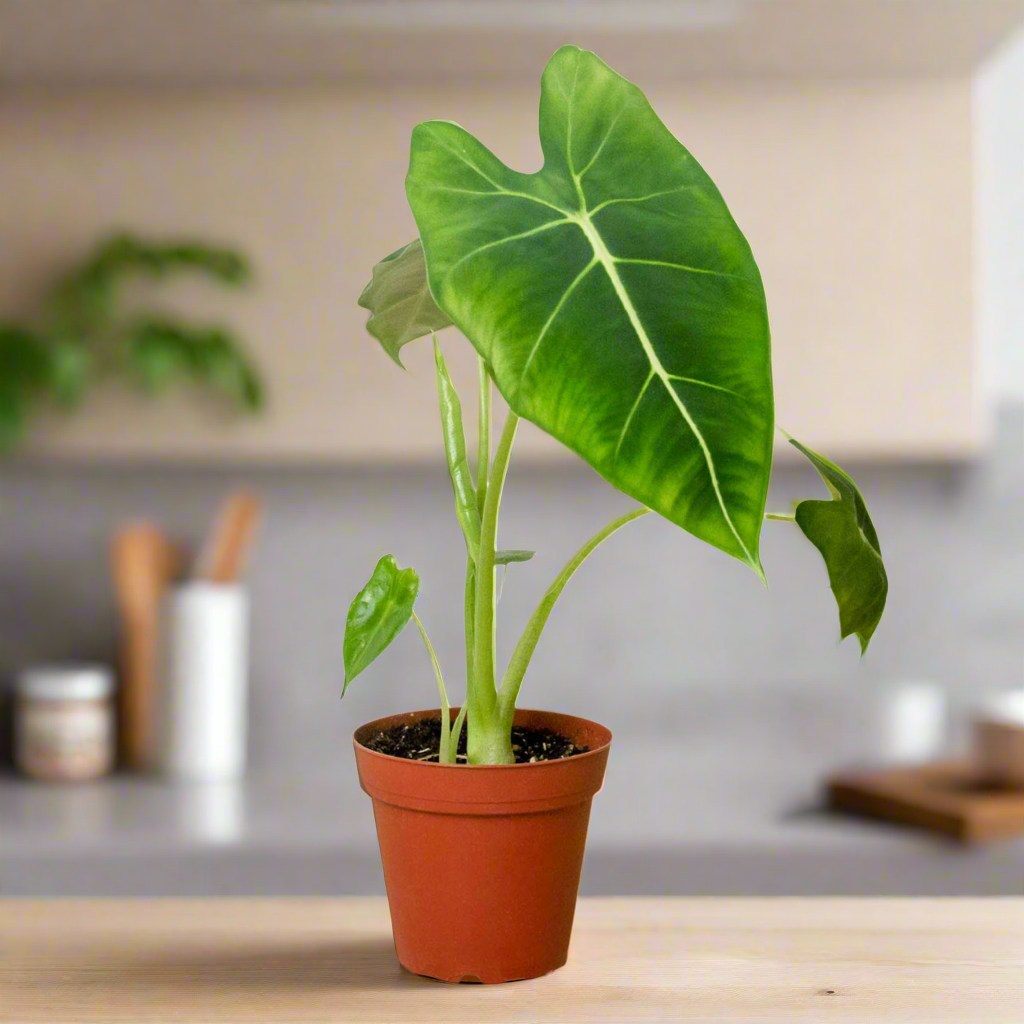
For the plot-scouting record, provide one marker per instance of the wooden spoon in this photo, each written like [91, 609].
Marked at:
[144, 563]
[226, 549]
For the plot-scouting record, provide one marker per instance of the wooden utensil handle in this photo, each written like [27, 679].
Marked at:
[232, 539]
[138, 694]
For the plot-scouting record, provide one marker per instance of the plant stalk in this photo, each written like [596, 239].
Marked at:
[520, 660]
[445, 753]
[488, 739]
[483, 456]
[469, 604]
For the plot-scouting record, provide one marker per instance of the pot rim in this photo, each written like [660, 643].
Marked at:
[365, 751]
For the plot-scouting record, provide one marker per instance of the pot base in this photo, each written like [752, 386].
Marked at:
[500, 978]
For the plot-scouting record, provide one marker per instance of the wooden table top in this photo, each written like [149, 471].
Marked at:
[287, 960]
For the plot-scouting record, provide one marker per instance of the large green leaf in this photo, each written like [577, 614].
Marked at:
[614, 297]
[380, 611]
[400, 304]
[842, 531]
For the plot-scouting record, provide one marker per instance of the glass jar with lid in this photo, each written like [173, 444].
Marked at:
[64, 722]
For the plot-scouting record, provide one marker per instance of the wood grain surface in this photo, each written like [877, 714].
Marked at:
[632, 960]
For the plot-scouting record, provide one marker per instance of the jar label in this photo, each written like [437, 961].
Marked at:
[65, 741]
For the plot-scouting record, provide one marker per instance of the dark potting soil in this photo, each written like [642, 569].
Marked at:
[419, 741]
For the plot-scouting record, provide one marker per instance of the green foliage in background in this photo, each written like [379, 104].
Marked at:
[614, 302]
[85, 330]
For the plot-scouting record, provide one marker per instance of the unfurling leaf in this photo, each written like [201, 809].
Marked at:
[399, 300]
[455, 451]
[12, 416]
[612, 294]
[507, 557]
[842, 531]
[380, 611]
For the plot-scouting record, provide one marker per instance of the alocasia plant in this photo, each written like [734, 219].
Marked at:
[613, 301]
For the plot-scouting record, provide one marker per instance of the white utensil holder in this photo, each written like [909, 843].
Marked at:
[204, 682]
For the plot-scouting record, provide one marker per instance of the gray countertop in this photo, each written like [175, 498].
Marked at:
[668, 821]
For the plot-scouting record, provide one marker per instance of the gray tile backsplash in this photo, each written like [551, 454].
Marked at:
[653, 614]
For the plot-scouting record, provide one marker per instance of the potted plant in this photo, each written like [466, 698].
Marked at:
[82, 333]
[612, 301]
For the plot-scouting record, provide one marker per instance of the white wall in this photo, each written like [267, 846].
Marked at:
[855, 195]
[999, 169]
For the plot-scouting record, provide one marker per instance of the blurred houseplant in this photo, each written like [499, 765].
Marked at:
[613, 301]
[83, 332]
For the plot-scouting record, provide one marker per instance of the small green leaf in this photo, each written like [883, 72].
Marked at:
[124, 253]
[219, 361]
[399, 300]
[516, 555]
[70, 367]
[158, 354]
[842, 531]
[12, 417]
[253, 394]
[82, 300]
[455, 451]
[162, 349]
[380, 611]
[24, 360]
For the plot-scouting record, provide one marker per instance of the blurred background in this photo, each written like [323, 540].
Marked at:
[192, 195]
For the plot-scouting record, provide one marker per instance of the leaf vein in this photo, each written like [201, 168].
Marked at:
[706, 384]
[681, 266]
[507, 238]
[550, 320]
[639, 199]
[607, 136]
[608, 262]
[499, 189]
[629, 418]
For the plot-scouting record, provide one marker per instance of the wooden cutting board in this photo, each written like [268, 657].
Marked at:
[948, 797]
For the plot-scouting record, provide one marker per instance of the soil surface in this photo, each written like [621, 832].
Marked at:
[419, 741]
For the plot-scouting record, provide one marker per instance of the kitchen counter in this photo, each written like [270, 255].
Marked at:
[883, 961]
[734, 830]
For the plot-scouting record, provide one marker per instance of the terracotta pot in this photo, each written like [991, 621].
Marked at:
[482, 863]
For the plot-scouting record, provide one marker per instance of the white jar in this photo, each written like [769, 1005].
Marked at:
[204, 682]
[64, 724]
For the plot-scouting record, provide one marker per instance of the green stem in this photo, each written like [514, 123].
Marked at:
[782, 517]
[444, 754]
[453, 741]
[469, 603]
[489, 741]
[516, 670]
[483, 456]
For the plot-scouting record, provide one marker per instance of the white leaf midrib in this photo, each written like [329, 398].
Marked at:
[607, 261]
